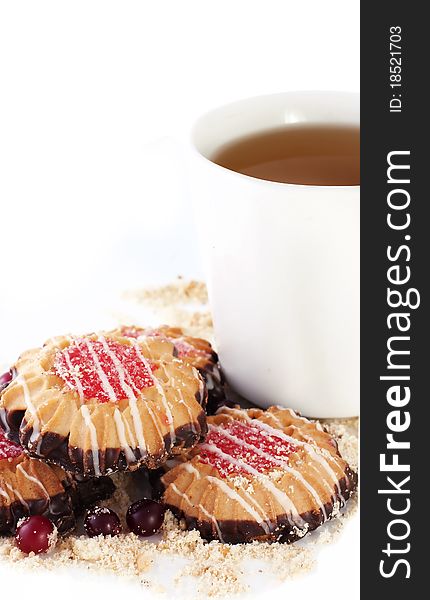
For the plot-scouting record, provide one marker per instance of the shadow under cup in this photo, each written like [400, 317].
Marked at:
[282, 262]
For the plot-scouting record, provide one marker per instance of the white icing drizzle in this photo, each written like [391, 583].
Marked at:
[76, 379]
[315, 451]
[138, 427]
[121, 371]
[158, 387]
[17, 494]
[130, 434]
[168, 411]
[182, 401]
[155, 421]
[319, 455]
[231, 493]
[282, 498]
[282, 463]
[35, 481]
[266, 525]
[102, 375]
[200, 507]
[120, 429]
[4, 494]
[32, 410]
[191, 469]
[137, 421]
[93, 436]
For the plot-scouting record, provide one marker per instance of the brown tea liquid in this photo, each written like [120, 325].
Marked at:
[303, 154]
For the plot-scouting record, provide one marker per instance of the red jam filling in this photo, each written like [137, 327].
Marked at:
[244, 445]
[185, 349]
[103, 369]
[132, 332]
[8, 449]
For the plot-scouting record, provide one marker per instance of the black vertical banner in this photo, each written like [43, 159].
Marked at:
[395, 356]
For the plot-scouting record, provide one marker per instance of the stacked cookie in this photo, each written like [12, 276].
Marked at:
[132, 398]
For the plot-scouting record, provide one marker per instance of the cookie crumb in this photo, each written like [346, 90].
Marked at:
[144, 561]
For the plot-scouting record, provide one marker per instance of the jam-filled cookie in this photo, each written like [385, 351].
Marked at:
[101, 403]
[197, 352]
[260, 475]
[29, 486]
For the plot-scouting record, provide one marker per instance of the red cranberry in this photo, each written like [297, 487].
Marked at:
[101, 521]
[35, 534]
[5, 379]
[145, 517]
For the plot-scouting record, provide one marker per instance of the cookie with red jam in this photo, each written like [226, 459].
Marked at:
[196, 352]
[104, 402]
[259, 475]
[28, 486]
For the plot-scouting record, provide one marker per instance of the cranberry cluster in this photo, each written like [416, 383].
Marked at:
[144, 518]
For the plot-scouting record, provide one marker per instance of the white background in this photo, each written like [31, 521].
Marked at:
[95, 104]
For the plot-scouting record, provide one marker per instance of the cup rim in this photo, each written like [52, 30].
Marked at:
[258, 180]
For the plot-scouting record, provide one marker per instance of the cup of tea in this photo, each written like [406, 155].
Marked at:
[275, 183]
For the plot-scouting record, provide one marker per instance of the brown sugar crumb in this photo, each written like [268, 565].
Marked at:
[179, 292]
[215, 569]
[219, 567]
[180, 304]
[145, 561]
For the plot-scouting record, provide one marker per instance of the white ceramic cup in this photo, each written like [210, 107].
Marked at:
[282, 263]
